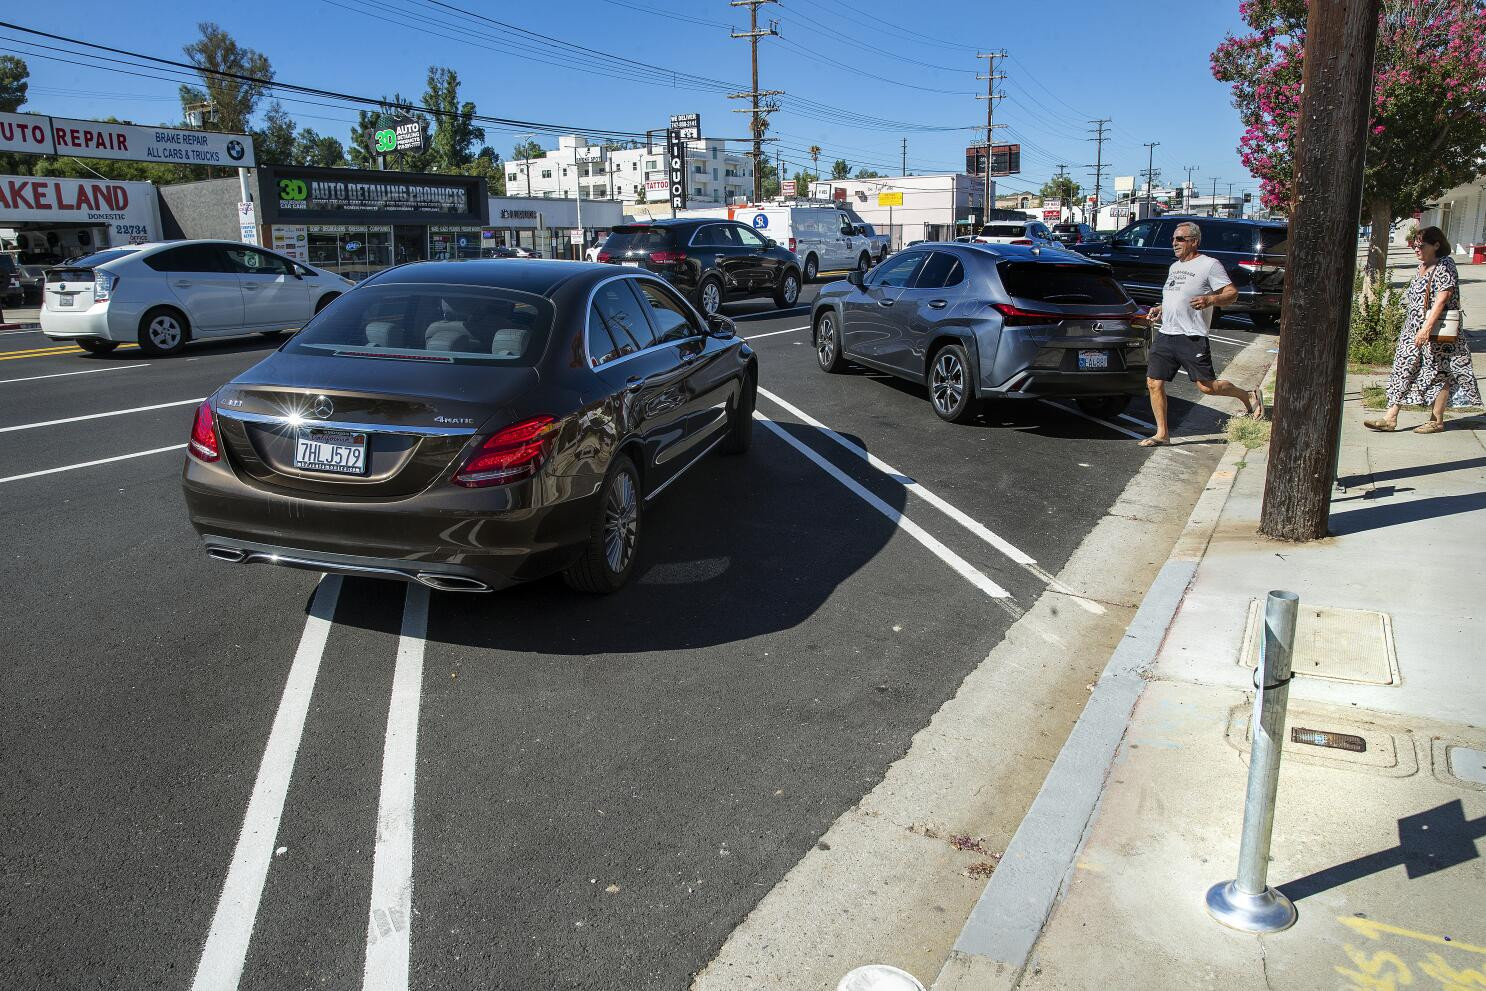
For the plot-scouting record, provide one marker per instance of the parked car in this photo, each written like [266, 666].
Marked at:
[712, 261]
[825, 238]
[163, 295]
[1028, 232]
[11, 290]
[470, 425]
[1253, 254]
[1073, 233]
[977, 321]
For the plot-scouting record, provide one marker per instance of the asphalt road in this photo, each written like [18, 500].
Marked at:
[603, 787]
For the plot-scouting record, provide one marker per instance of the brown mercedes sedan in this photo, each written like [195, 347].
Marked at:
[470, 425]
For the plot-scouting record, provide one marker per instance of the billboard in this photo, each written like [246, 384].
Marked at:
[128, 209]
[1005, 159]
[35, 134]
[689, 126]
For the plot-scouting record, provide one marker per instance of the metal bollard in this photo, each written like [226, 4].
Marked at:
[1248, 903]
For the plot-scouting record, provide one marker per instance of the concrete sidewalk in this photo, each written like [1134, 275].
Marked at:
[1380, 849]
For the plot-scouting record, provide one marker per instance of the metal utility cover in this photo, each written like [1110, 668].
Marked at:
[1467, 764]
[1339, 644]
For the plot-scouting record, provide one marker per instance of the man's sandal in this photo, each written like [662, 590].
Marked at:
[1155, 442]
[1256, 399]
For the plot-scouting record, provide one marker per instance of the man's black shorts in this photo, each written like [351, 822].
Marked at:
[1180, 352]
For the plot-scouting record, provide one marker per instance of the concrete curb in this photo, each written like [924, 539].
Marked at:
[998, 938]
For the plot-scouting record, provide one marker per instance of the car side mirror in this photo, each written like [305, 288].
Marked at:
[769, 242]
[855, 278]
[847, 230]
[721, 327]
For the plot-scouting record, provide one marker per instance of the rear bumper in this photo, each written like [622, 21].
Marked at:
[446, 531]
[1039, 384]
[107, 322]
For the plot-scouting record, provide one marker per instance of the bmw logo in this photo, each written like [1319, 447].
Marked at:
[323, 407]
[235, 150]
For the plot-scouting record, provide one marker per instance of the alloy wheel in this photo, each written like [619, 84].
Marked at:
[825, 342]
[791, 289]
[711, 298]
[165, 332]
[947, 385]
[621, 522]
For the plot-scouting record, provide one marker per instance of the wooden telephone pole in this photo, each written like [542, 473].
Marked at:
[991, 96]
[759, 111]
[1337, 95]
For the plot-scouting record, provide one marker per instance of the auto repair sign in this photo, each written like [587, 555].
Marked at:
[128, 209]
[36, 134]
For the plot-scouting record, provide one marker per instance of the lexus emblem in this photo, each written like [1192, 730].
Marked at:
[323, 407]
[1098, 327]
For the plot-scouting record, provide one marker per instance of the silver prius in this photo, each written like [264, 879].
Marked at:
[978, 321]
[162, 295]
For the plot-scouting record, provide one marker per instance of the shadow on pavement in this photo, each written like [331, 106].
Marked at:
[1362, 520]
[1411, 471]
[1428, 842]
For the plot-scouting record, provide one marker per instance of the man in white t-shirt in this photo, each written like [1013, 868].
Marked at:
[1195, 285]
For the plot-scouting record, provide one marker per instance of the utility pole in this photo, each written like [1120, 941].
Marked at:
[758, 122]
[1336, 96]
[1150, 170]
[1187, 189]
[991, 96]
[1212, 206]
[1062, 187]
[1100, 126]
[905, 156]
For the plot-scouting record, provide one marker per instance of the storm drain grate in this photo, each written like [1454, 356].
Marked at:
[1338, 644]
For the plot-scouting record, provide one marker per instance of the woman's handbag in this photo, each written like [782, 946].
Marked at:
[1447, 329]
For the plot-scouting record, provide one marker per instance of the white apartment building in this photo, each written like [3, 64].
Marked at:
[715, 174]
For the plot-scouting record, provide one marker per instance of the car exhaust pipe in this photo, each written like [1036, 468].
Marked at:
[451, 583]
[233, 555]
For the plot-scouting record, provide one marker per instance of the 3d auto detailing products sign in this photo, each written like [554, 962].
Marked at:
[34, 134]
[337, 196]
[128, 209]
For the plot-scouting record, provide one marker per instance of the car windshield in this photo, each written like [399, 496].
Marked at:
[1056, 283]
[637, 239]
[441, 323]
[101, 257]
[1004, 230]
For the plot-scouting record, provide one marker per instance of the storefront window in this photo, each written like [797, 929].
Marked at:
[454, 242]
[354, 252]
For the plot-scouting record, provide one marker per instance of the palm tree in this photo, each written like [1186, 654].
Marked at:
[815, 159]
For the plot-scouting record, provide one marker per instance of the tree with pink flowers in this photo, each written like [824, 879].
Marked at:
[1428, 123]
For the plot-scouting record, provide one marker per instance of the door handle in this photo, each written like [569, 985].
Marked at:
[884, 302]
[183, 283]
[633, 384]
[250, 286]
[938, 304]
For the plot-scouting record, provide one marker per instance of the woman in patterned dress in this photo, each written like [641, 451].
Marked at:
[1430, 372]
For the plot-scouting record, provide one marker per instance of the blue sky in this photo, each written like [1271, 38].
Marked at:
[909, 67]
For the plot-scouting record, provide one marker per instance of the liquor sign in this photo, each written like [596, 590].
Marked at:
[35, 134]
[1005, 159]
[128, 209]
[676, 168]
[689, 126]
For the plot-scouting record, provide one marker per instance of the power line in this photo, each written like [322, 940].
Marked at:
[759, 121]
[991, 96]
[1101, 126]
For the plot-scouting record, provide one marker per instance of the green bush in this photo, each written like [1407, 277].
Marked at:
[1377, 320]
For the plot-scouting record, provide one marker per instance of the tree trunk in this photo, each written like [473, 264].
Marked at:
[1337, 85]
[1381, 212]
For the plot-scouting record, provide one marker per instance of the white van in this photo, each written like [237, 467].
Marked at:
[824, 238]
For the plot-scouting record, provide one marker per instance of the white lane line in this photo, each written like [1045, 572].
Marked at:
[949, 557]
[1137, 421]
[388, 933]
[86, 371]
[1112, 426]
[772, 333]
[99, 416]
[1228, 340]
[90, 464]
[232, 927]
[953, 512]
[8, 333]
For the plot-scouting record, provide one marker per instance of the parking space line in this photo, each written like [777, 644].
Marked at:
[86, 371]
[953, 512]
[1228, 340]
[226, 946]
[1137, 421]
[99, 416]
[90, 464]
[772, 333]
[1113, 426]
[964, 568]
[389, 930]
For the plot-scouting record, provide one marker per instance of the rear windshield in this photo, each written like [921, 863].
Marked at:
[1274, 240]
[638, 239]
[1076, 285]
[101, 257]
[1066, 228]
[1004, 230]
[456, 324]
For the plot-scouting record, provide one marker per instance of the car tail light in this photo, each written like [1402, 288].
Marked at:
[603, 256]
[203, 446]
[104, 285]
[792, 243]
[1015, 316]
[509, 455]
[1252, 266]
[667, 257]
[1021, 240]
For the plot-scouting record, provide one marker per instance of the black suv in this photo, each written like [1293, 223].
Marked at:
[1252, 252]
[712, 261]
[1073, 233]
